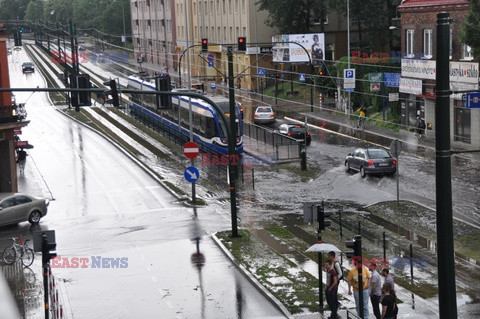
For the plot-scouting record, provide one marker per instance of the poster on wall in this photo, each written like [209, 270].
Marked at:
[285, 49]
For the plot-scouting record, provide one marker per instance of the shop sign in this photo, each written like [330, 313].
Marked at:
[466, 72]
[411, 86]
[419, 69]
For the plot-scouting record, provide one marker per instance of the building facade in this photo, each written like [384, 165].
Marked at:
[418, 42]
[153, 31]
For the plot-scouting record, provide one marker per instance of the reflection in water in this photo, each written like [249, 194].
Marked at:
[198, 260]
[239, 298]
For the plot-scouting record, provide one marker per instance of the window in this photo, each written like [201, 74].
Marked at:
[466, 52]
[427, 43]
[318, 16]
[451, 43]
[410, 43]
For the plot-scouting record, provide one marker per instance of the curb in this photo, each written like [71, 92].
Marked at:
[252, 279]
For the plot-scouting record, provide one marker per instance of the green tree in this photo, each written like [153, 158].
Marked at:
[34, 11]
[13, 10]
[291, 17]
[371, 19]
[470, 33]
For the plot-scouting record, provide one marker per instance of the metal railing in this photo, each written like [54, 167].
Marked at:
[283, 147]
[351, 315]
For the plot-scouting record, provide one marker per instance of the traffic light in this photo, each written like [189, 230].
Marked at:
[242, 44]
[47, 247]
[322, 223]
[322, 70]
[356, 245]
[114, 100]
[204, 45]
[80, 81]
[163, 83]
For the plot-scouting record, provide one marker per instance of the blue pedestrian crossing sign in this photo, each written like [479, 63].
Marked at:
[191, 174]
[472, 100]
[301, 77]
[262, 72]
[210, 63]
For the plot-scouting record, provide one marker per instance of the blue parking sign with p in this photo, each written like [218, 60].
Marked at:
[349, 74]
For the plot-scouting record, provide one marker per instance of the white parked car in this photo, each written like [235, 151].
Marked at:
[264, 115]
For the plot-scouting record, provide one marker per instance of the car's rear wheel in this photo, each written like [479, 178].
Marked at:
[362, 172]
[35, 217]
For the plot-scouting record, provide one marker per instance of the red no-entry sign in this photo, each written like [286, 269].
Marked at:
[190, 149]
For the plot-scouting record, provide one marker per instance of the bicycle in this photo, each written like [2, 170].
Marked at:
[18, 251]
[361, 123]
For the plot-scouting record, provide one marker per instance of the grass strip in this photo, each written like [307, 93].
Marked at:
[297, 290]
[131, 134]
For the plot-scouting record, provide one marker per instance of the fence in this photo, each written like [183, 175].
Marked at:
[283, 147]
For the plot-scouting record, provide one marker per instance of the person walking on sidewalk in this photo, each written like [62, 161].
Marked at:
[375, 290]
[353, 282]
[331, 289]
[21, 159]
[388, 277]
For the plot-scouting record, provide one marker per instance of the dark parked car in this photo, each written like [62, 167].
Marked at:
[28, 67]
[371, 161]
[17, 207]
[296, 131]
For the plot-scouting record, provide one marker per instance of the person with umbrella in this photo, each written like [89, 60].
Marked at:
[21, 159]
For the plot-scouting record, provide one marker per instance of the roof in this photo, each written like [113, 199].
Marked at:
[431, 3]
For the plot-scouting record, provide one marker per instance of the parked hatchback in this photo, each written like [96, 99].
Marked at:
[17, 207]
[371, 161]
[296, 131]
[28, 67]
[264, 115]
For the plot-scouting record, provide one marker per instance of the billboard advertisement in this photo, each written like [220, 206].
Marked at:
[286, 52]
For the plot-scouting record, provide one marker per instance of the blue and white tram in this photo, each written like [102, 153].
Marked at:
[209, 132]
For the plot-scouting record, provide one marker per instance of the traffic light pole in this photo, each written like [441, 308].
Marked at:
[320, 210]
[358, 239]
[232, 169]
[446, 261]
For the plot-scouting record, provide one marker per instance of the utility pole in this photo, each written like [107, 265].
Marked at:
[443, 177]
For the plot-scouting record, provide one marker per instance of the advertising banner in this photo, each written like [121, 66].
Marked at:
[284, 52]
